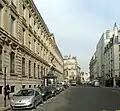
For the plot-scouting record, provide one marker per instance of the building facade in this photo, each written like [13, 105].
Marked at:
[107, 55]
[112, 56]
[97, 63]
[28, 50]
[85, 77]
[71, 69]
[93, 67]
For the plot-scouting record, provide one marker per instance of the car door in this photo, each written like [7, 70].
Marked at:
[37, 97]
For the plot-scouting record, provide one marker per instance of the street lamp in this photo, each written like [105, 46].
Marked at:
[5, 70]
[4, 87]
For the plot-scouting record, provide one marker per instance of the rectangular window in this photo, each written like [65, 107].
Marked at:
[12, 89]
[1, 89]
[34, 70]
[35, 45]
[38, 48]
[29, 68]
[23, 86]
[24, 12]
[29, 86]
[38, 71]
[12, 26]
[41, 71]
[23, 36]
[0, 16]
[29, 41]
[119, 48]
[12, 62]
[23, 66]
[29, 19]
[119, 57]
[0, 58]
[44, 72]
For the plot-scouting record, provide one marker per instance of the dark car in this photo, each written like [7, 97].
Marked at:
[53, 90]
[46, 92]
[59, 88]
[73, 83]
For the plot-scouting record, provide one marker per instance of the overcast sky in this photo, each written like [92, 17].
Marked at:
[79, 24]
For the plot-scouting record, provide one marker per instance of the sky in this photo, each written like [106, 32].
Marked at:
[79, 24]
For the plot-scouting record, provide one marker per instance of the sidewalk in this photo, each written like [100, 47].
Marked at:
[2, 108]
[114, 88]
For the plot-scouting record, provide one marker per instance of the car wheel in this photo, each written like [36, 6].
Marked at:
[42, 100]
[35, 105]
[45, 98]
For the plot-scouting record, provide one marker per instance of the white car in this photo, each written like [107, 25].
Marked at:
[96, 83]
[26, 98]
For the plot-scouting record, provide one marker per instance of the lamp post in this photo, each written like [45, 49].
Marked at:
[5, 87]
[5, 71]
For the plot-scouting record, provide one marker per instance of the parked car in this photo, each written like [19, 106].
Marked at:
[96, 83]
[26, 98]
[89, 83]
[59, 88]
[46, 92]
[73, 83]
[53, 90]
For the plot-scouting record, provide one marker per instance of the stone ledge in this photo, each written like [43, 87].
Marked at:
[5, 108]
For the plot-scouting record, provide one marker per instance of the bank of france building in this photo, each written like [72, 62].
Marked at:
[27, 48]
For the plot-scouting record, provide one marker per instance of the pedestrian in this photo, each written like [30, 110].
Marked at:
[7, 91]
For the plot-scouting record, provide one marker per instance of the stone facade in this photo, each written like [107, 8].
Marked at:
[71, 69]
[93, 67]
[112, 55]
[27, 48]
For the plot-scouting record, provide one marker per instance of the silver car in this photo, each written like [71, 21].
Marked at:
[26, 98]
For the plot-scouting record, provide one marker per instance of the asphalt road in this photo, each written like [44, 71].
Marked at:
[83, 99]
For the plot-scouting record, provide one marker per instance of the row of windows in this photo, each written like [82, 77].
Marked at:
[31, 21]
[36, 46]
[41, 70]
[12, 21]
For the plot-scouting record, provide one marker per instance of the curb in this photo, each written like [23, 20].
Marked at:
[116, 89]
[5, 108]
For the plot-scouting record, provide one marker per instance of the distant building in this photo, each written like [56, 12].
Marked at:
[85, 77]
[71, 68]
[93, 67]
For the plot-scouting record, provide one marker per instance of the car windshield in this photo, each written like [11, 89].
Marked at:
[26, 92]
[43, 89]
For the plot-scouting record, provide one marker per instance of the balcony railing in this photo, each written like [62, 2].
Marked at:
[13, 5]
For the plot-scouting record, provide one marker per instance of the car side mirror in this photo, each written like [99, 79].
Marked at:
[13, 94]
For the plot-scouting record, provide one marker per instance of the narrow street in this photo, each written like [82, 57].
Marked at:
[83, 99]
